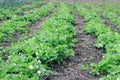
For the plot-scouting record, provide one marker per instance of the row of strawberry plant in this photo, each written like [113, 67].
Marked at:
[109, 13]
[107, 39]
[19, 24]
[113, 16]
[113, 6]
[28, 59]
[14, 11]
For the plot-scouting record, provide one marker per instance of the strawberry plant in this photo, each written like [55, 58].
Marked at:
[28, 59]
[9, 13]
[107, 39]
[20, 24]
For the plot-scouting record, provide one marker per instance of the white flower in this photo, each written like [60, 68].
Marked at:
[36, 53]
[39, 61]
[37, 57]
[31, 67]
[118, 78]
[103, 56]
[9, 57]
[14, 64]
[7, 61]
[39, 72]
[37, 66]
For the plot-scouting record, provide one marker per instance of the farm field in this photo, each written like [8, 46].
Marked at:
[60, 40]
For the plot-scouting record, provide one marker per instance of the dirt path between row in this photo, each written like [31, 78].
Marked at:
[85, 54]
[33, 27]
[29, 34]
[109, 23]
[78, 67]
[26, 11]
[32, 9]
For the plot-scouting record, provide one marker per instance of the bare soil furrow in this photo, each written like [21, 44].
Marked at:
[85, 54]
[109, 23]
[25, 12]
[33, 27]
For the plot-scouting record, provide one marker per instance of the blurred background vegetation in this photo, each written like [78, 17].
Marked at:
[12, 3]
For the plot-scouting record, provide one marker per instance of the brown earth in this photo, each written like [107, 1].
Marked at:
[109, 23]
[25, 12]
[33, 27]
[30, 10]
[20, 36]
[78, 67]
[85, 54]
[31, 32]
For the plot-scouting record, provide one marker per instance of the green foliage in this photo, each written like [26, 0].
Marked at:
[109, 65]
[13, 12]
[108, 11]
[1, 16]
[112, 16]
[20, 24]
[111, 77]
[28, 59]
[107, 39]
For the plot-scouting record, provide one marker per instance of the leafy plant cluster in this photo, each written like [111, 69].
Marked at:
[20, 23]
[107, 39]
[108, 13]
[111, 6]
[28, 59]
[14, 11]
[115, 19]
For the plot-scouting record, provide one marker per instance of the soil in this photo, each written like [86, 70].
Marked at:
[18, 35]
[106, 21]
[33, 27]
[78, 67]
[30, 10]
[25, 12]
[85, 54]
[110, 24]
